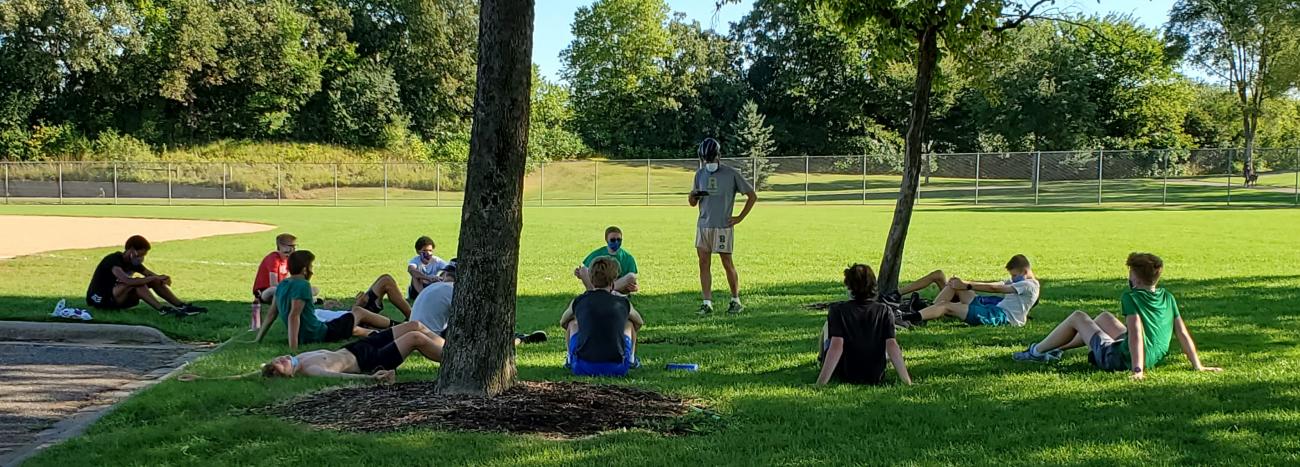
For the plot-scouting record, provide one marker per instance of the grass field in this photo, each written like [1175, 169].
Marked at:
[1234, 272]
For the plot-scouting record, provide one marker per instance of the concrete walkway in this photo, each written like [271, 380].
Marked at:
[58, 378]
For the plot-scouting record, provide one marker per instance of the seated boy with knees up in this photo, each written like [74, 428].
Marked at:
[423, 268]
[295, 305]
[433, 307]
[626, 282]
[116, 286]
[958, 298]
[601, 326]
[859, 334]
[1151, 318]
[275, 268]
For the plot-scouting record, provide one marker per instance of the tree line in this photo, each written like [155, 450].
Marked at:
[790, 78]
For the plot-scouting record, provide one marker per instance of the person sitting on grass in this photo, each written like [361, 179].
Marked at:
[423, 268]
[374, 357]
[601, 326]
[275, 268]
[433, 307]
[958, 298]
[626, 282]
[116, 286]
[294, 304]
[859, 334]
[1150, 313]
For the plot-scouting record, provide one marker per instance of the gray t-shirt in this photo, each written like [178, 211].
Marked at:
[715, 209]
[433, 306]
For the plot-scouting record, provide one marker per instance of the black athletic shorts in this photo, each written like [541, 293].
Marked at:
[340, 328]
[103, 300]
[373, 302]
[376, 352]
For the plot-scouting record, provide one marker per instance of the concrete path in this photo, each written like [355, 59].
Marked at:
[55, 387]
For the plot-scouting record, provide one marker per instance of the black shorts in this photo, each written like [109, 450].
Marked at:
[103, 300]
[257, 296]
[1104, 352]
[376, 352]
[373, 302]
[340, 328]
[411, 293]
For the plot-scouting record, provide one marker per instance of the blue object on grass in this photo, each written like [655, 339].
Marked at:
[683, 366]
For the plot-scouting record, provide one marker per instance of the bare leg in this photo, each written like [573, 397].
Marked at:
[121, 291]
[733, 279]
[626, 284]
[370, 318]
[630, 331]
[1108, 323]
[166, 293]
[706, 272]
[429, 346]
[269, 294]
[386, 286]
[937, 278]
[954, 309]
[1078, 325]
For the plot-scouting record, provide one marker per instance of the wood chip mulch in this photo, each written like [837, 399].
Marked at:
[552, 409]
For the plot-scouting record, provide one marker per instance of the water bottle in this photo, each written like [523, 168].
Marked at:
[255, 322]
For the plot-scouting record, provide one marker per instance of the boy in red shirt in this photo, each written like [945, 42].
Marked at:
[275, 268]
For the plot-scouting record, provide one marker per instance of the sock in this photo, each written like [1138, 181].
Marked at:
[1033, 350]
[735, 299]
[708, 303]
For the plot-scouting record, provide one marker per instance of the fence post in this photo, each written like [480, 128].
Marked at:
[279, 184]
[541, 186]
[647, 182]
[925, 165]
[1101, 161]
[977, 178]
[1297, 178]
[169, 183]
[595, 183]
[806, 159]
[437, 184]
[1230, 154]
[385, 183]
[60, 170]
[225, 172]
[1038, 174]
[864, 180]
[1164, 195]
[6, 164]
[336, 183]
[114, 182]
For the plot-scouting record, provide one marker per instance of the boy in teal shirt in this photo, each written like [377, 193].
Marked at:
[294, 303]
[1150, 312]
[626, 282]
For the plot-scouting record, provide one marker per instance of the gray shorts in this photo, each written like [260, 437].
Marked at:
[1104, 352]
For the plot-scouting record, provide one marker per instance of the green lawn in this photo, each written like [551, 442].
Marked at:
[1234, 272]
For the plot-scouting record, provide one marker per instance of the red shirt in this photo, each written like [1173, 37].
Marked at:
[272, 263]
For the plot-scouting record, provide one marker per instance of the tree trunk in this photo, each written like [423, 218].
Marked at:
[927, 60]
[1248, 162]
[479, 357]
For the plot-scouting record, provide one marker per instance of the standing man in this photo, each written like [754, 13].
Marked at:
[626, 283]
[715, 190]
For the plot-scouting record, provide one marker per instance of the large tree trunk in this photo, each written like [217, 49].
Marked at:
[479, 358]
[927, 60]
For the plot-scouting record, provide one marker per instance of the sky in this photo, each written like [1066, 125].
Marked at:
[552, 32]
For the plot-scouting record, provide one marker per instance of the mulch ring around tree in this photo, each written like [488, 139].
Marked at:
[550, 409]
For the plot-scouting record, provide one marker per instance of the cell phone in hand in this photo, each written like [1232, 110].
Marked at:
[700, 193]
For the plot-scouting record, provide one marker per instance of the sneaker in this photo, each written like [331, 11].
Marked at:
[735, 308]
[636, 363]
[704, 310]
[1028, 355]
[170, 310]
[195, 309]
[534, 337]
[186, 311]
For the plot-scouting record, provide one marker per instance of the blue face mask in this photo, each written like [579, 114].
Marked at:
[293, 362]
[614, 245]
[137, 260]
[426, 255]
[1017, 278]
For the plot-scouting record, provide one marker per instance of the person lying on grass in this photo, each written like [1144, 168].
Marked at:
[433, 307]
[601, 326]
[958, 299]
[275, 268]
[295, 305]
[423, 268]
[115, 285]
[626, 282]
[859, 334]
[374, 357]
[1150, 313]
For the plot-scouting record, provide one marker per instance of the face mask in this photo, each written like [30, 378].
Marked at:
[711, 167]
[614, 245]
[307, 274]
[426, 255]
[293, 364]
[137, 260]
[1017, 278]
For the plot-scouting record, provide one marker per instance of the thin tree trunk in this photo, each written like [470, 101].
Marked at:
[479, 357]
[927, 60]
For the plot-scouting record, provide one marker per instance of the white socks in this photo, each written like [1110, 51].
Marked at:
[708, 303]
[735, 299]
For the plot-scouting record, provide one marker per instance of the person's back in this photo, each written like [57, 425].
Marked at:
[865, 326]
[1157, 309]
[1018, 304]
[433, 306]
[602, 317]
[310, 329]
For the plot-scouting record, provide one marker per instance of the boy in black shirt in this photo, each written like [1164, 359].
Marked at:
[115, 286]
[601, 326]
[859, 333]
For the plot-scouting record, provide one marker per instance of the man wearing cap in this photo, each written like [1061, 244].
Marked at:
[715, 189]
[432, 306]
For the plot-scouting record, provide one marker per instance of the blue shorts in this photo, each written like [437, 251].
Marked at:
[984, 311]
[1104, 352]
[584, 368]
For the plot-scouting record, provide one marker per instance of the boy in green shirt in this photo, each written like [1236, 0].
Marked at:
[1150, 312]
[294, 303]
[626, 282]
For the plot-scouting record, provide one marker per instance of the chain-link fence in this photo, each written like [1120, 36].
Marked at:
[1141, 177]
